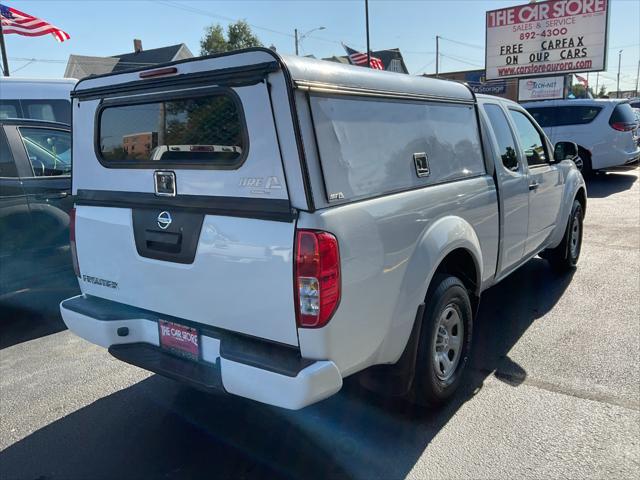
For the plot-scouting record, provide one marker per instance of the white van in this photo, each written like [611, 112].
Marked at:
[270, 225]
[606, 131]
[36, 98]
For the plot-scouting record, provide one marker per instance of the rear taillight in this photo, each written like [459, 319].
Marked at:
[317, 278]
[72, 241]
[623, 126]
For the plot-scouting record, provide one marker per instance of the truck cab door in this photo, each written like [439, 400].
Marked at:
[15, 222]
[513, 184]
[546, 182]
[48, 189]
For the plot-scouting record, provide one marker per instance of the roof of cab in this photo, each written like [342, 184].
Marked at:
[310, 73]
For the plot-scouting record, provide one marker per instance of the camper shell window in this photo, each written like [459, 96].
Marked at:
[368, 147]
[206, 131]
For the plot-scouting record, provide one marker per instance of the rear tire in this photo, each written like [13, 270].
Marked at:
[566, 255]
[586, 168]
[445, 341]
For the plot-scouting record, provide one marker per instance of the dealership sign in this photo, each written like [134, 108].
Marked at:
[476, 82]
[556, 36]
[546, 88]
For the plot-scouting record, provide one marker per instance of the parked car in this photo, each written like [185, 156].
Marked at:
[605, 131]
[37, 99]
[35, 201]
[357, 225]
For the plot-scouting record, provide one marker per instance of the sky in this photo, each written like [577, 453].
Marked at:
[105, 28]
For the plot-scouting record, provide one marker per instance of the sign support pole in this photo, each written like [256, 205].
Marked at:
[5, 60]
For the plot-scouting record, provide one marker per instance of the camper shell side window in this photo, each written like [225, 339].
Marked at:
[370, 147]
[206, 129]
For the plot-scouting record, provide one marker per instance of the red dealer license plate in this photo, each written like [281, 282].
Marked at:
[179, 339]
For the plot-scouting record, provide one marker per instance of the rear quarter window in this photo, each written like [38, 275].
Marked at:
[206, 131]
[561, 116]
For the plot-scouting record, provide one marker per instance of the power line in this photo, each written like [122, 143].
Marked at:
[462, 43]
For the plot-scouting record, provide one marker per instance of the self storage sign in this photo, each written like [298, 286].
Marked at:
[547, 38]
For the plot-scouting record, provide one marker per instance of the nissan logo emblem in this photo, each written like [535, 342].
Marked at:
[164, 220]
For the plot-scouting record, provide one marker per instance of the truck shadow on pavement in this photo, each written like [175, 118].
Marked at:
[159, 429]
[604, 185]
[33, 313]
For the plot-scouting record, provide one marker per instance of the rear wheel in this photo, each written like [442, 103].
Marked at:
[445, 341]
[565, 256]
[584, 162]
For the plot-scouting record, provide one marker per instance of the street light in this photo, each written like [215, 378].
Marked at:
[618, 82]
[305, 35]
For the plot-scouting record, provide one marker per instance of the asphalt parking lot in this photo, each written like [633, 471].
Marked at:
[554, 392]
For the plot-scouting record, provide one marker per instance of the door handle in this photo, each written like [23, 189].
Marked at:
[57, 195]
[534, 186]
[51, 195]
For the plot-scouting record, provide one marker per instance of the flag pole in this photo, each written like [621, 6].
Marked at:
[5, 60]
[366, 13]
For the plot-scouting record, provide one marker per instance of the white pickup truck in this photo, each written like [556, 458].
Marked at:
[353, 226]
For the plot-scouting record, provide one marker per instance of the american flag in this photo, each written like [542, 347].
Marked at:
[359, 58]
[15, 21]
[582, 80]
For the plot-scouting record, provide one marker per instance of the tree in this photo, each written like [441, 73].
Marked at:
[239, 35]
[579, 91]
[603, 92]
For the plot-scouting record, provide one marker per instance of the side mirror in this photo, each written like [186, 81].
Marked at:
[565, 151]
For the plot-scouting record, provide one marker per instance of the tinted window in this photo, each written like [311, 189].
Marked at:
[504, 137]
[367, 147]
[49, 150]
[559, 116]
[7, 165]
[623, 113]
[203, 130]
[10, 109]
[530, 139]
[50, 110]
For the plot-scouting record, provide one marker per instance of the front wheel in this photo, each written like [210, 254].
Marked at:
[445, 341]
[565, 256]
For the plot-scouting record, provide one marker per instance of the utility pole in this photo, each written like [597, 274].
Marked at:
[637, 77]
[597, 82]
[366, 13]
[437, 54]
[618, 86]
[300, 37]
[5, 60]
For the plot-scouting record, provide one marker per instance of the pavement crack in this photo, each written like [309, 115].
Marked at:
[516, 380]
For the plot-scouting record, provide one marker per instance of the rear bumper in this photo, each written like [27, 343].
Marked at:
[240, 365]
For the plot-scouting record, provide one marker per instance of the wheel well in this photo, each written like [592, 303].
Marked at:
[461, 264]
[583, 151]
[582, 198]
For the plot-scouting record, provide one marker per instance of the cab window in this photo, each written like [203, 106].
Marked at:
[49, 150]
[504, 137]
[531, 140]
